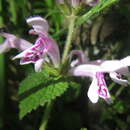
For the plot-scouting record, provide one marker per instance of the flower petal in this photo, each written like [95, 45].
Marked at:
[22, 44]
[4, 47]
[85, 70]
[104, 93]
[116, 77]
[81, 58]
[15, 42]
[38, 65]
[74, 63]
[44, 46]
[93, 91]
[34, 53]
[92, 2]
[126, 61]
[53, 51]
[124, 71]
[102, 90]
[39, 24]
[75, 3]
[96, 62]
[111, 65]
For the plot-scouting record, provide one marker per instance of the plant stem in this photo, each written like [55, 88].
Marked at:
[119, 91]
[69, 38]
[46, 116]
[95, 10]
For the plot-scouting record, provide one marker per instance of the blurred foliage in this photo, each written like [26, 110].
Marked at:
[106, 36]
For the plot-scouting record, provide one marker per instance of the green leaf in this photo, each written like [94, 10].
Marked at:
[33, 80]
[40, 88]
[43, 95]
[83, 129]
[95, 10]
[36, 79]
[74, 89]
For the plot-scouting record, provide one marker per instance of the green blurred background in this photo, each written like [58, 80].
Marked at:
[104, 37]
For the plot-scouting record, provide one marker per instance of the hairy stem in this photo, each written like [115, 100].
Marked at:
[69, 38]
[46, 116]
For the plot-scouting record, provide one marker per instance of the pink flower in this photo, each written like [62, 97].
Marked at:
[81, 58]
[45, 48]
[96, 70]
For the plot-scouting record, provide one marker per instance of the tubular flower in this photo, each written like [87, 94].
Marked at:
[92, 2]
[81, 58]
[43, 47]
[96, 70]
[13, 42]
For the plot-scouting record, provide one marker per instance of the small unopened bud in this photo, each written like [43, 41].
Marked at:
[92, 2]
[75, 3]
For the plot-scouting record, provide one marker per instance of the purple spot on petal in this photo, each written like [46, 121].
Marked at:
[102, 91]
[101, 80]
[38, 50]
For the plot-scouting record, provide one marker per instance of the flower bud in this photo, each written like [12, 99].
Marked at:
[75, 3]
[92, 2]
